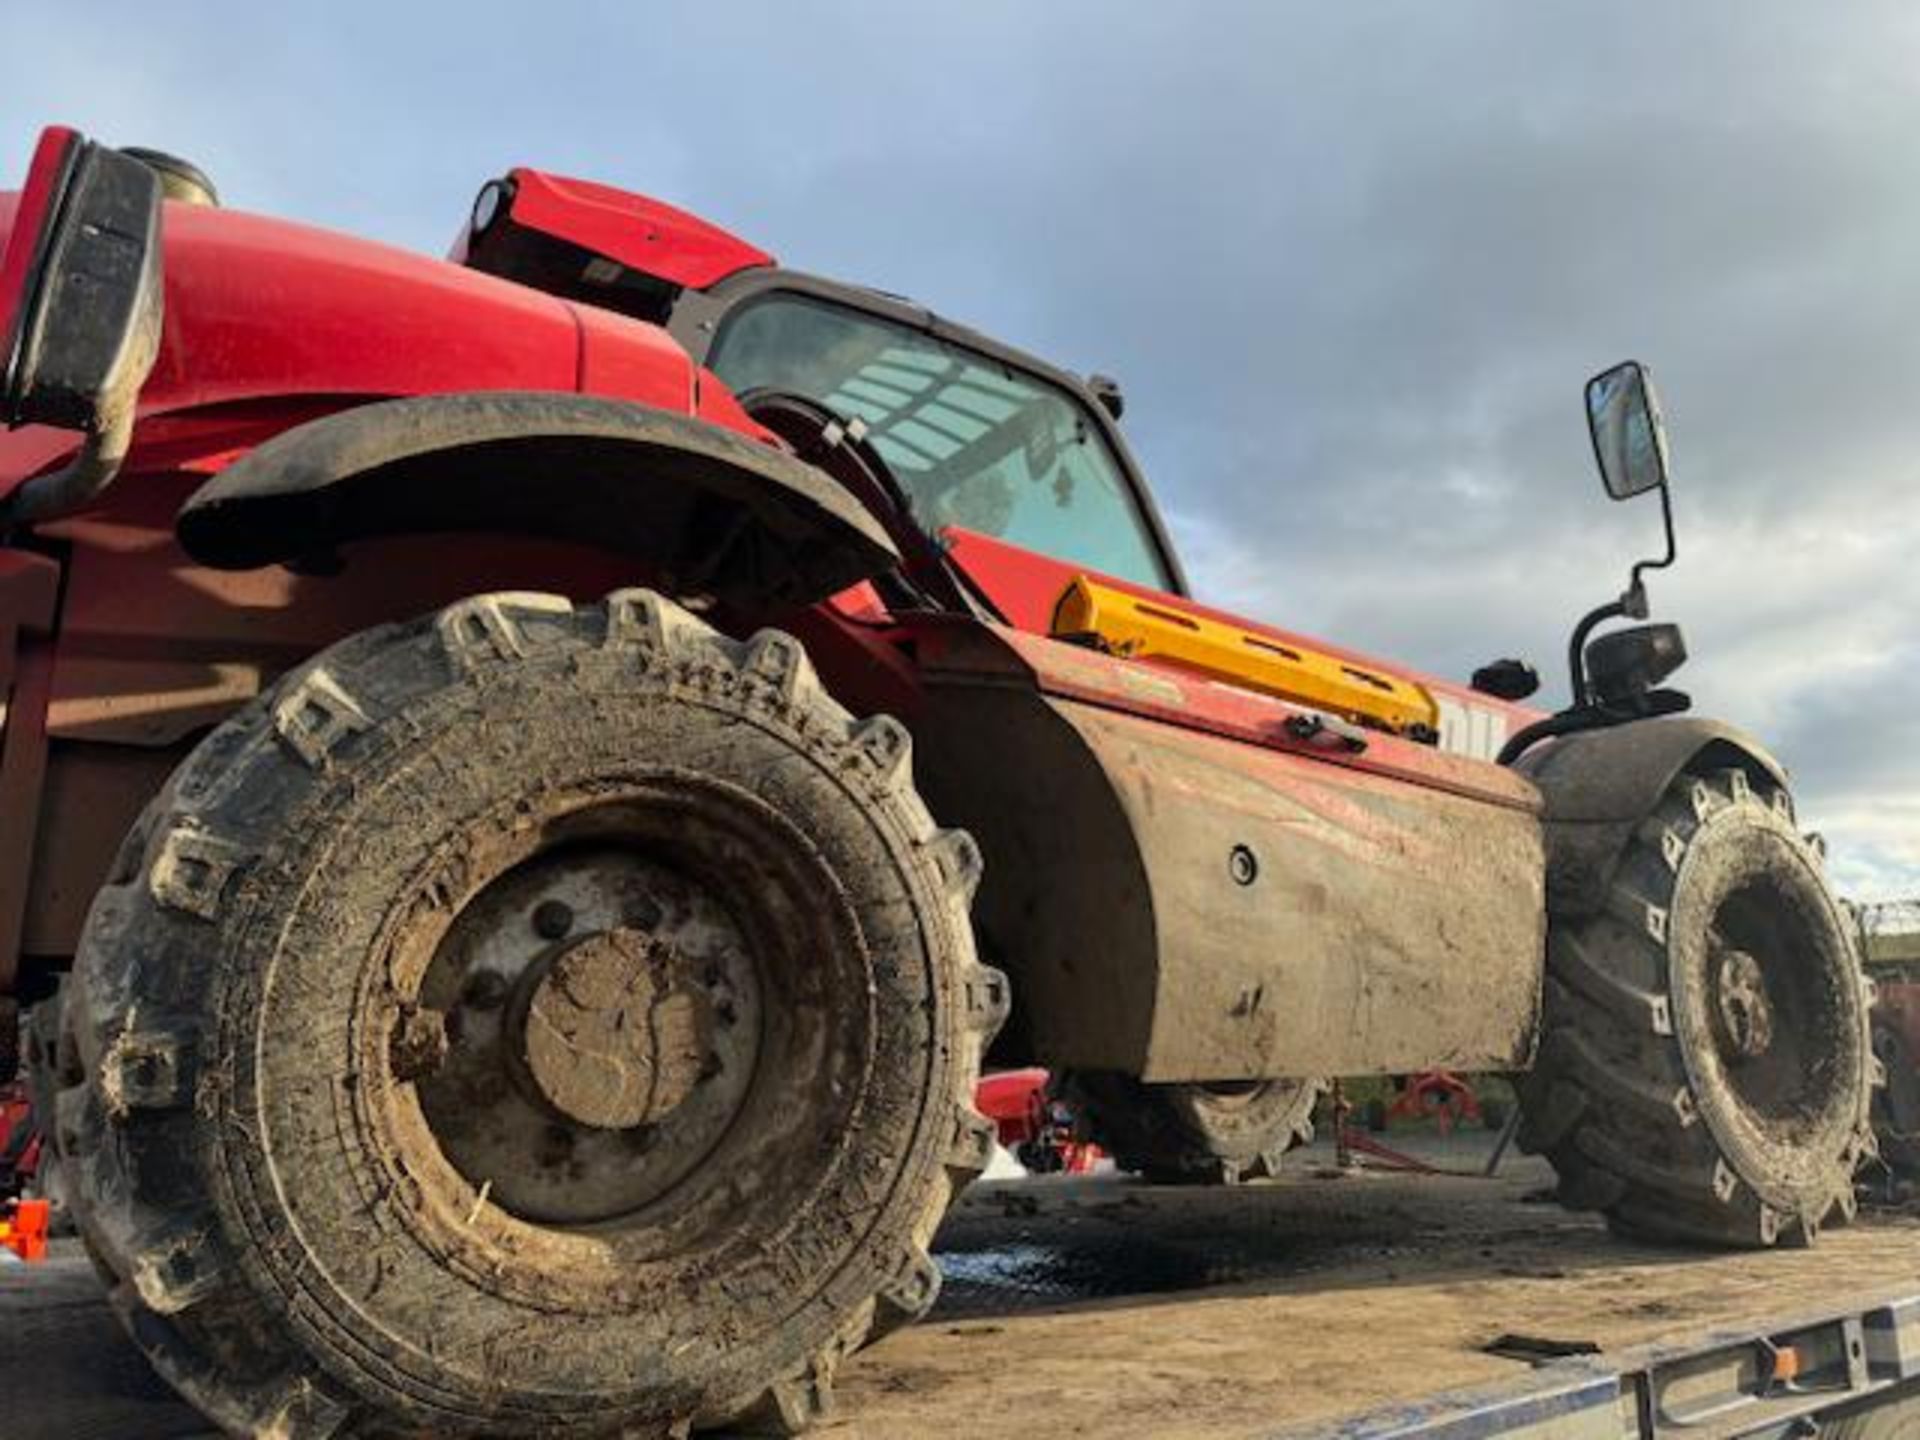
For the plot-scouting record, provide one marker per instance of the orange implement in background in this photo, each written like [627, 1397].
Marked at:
[23, 1229]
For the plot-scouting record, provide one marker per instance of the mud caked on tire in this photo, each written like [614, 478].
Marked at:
[1704, 1073]
[1192, 1133]
[531, 1020]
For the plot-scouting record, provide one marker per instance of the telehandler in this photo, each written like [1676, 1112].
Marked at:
[531, 781]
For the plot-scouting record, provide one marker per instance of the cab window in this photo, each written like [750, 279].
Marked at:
[973, 442]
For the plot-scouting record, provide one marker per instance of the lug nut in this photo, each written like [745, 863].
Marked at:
[552, 919]
[556, 1146]
[418, 1044]
[485, 989]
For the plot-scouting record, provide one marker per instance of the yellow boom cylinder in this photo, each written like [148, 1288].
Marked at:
[1155, 629]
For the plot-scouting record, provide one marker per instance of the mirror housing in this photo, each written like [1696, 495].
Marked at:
[1629, 435]
[80, 311]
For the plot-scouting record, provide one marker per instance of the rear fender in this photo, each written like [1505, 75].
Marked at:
[703, 510]
[1599, 784]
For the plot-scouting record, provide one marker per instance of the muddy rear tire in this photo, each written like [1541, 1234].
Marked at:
[534, 1019]
[1704, 1073]
[1191, 1134]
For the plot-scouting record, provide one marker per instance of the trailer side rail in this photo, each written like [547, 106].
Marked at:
[1769, 1380]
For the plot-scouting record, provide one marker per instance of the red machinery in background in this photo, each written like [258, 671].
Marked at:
[23, 1222]
[1890, 949]
[1033, 1123]
[20, 1141]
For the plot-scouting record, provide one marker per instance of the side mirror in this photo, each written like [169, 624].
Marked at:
[1629, 438]
[80, 311]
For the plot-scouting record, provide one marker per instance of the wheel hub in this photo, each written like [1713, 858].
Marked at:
[601, 1013]
[1742, 1007]
[612, 1032]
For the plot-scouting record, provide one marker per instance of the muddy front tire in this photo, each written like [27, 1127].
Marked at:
[1191, 1134]
[1704, 1073]
[531, 1020]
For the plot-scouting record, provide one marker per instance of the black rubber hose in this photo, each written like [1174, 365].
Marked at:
[1565, 723]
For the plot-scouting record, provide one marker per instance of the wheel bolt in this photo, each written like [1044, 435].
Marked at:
[485, 989]
[552, 919]
[556, 1146]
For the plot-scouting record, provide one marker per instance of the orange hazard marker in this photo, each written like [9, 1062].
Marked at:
[23, 1229]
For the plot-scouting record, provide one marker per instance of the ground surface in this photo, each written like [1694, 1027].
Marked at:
[1098, 1306]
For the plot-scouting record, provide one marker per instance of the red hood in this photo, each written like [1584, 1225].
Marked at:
[259, 309]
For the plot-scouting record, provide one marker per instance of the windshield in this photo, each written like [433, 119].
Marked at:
[972, 441]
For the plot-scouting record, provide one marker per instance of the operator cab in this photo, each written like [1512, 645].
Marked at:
[977, 443]
[982, 460]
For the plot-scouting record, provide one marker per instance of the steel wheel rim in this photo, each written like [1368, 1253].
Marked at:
[1776, 1020]
[500, 1105]
[803, 936]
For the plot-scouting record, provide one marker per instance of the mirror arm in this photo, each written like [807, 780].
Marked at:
[1631, 606]
[1577, 648]
[1636, 588]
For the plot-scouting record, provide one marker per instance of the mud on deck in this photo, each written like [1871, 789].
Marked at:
[1099, 1306]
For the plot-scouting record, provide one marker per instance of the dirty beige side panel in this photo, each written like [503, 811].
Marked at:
[1187, 907]
[1315, 919]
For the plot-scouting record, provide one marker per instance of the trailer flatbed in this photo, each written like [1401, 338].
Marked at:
[1363, 1305]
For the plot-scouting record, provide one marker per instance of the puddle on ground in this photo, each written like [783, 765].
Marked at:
[1022, 1275]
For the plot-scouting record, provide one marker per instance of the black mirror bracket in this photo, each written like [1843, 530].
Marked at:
[89, 329]
[1633, 600]
[63, 491]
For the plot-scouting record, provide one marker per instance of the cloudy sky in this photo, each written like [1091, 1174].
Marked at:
[1352, 263]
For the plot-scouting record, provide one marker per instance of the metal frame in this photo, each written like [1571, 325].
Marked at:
[29, 596]
[1771, 1380]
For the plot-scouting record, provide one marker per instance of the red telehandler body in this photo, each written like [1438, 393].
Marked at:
[532, 781]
